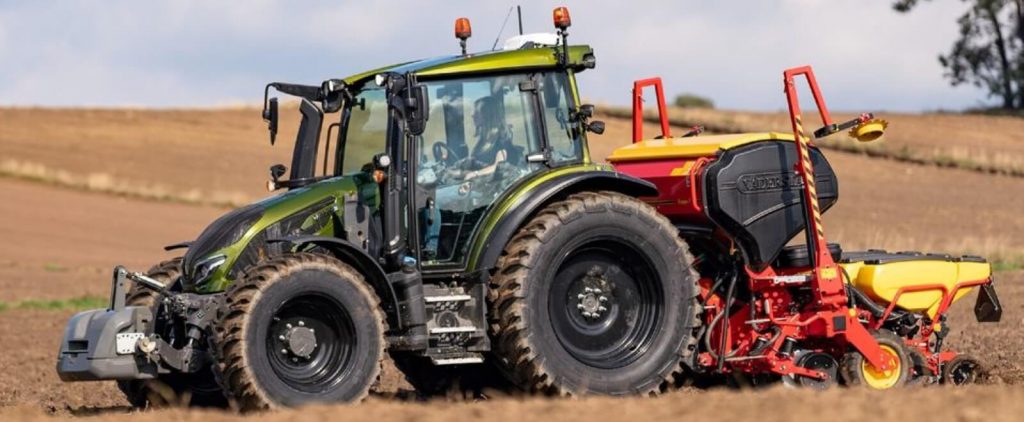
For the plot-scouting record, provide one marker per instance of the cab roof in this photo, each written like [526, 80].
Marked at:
[489, 61]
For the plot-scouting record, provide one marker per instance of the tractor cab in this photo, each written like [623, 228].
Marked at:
[439, 143]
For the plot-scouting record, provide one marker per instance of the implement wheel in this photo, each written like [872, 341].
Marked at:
[298, 329]
[961, 370]
[175, 389]
[857, 371]
[595, 295]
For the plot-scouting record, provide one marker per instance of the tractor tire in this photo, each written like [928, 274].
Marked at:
[857, 372]
[176, 389]
[297, 329]
[595, 295]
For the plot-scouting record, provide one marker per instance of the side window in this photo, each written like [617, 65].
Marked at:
[562, 136]
[366, 131]
[478, 135]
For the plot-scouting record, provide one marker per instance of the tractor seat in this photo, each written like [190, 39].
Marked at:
[796, 256]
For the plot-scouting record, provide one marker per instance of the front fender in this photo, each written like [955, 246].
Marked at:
[353, 255]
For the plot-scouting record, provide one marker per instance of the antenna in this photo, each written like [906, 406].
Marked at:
[519, 11]
[502, 30]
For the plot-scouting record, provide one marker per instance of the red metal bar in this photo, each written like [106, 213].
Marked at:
[947, 296]
[827, 283]
[638, 108]
[694, 172]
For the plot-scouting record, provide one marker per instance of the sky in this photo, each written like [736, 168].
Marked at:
[212, 53]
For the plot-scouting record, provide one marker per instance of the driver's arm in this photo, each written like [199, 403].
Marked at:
[499, 157]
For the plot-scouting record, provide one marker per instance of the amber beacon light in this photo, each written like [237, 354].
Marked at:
[561, 17]
[463, 31]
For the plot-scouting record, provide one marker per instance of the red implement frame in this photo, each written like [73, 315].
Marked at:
[826, 283]
[638, 108]
[947, 296]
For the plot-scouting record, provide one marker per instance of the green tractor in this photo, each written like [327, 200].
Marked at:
[457, 220]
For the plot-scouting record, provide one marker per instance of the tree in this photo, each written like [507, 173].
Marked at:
[990, 50]
[693, 101]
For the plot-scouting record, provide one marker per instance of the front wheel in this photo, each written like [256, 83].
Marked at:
[595, 295]
[298, 329]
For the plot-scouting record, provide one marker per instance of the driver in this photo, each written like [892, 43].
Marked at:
[493, 147]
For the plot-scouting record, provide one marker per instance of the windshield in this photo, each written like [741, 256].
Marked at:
[364, 131]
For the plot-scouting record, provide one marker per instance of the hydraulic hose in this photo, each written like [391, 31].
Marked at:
[725, 323]
[862, 300]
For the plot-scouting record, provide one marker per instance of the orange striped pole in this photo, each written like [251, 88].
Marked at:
[828, 286]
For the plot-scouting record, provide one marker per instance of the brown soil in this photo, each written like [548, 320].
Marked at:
[29, 380]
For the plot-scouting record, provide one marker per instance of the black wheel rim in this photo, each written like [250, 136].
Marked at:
[605, 303]
[311, 367]
[962, 373]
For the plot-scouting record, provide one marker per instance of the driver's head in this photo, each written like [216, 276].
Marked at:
[486, 114]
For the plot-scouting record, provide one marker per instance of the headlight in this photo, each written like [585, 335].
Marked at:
[223, 232]
[206, 267]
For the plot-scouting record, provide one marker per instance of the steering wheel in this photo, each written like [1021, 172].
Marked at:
[441, 145]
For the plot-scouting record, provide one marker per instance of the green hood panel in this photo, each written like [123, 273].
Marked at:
[315, 209]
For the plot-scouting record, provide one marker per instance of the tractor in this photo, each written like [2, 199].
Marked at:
[454, 220]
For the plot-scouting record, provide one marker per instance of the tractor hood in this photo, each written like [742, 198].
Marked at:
[241, 238]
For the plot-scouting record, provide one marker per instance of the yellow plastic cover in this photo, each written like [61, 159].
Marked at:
[882, 281]
[692, 147]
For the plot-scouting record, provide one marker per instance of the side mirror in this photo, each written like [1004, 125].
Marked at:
[584, 112]
[596, 126]
[417, 109]
[332, 93]
[276, 171]
[270, 116]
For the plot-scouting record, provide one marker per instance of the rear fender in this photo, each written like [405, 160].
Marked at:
[559, 187]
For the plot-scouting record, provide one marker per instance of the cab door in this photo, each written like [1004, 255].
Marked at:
[483, 135]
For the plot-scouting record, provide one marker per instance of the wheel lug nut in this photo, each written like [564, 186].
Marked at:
[281, 337]
[302, 323]
[580, 306]
[601, 309]
[602, 299]
[588, 290]
[284, 351]
[287, 326]
[581, 296]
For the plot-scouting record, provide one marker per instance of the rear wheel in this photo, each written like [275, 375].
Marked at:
[595, 295]
[299, 329]
[176, 389]
[857, 371]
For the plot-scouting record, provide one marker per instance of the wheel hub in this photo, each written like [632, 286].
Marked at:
[300, 341]
[592, 302]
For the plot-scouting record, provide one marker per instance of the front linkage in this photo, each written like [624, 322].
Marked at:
[123, 343]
